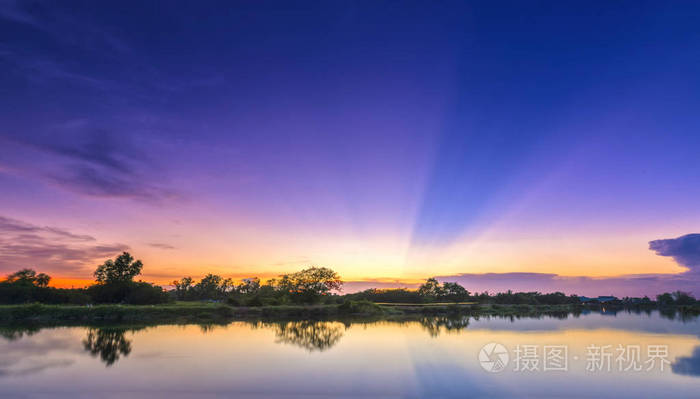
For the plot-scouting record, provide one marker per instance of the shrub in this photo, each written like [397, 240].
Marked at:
[255, 301]
[359, 307]
[128, 292]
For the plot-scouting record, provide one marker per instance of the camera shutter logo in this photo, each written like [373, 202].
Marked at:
[493, 357]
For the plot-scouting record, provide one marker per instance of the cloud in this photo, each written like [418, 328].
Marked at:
[625, 285]
[355, 286]
[98, 147]
[96, 182]
[685, 250]
[8, 225]
[63, 27]
[161, 245]
[87, 161]
[49, 249]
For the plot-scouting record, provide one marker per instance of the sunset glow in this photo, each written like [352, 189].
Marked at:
[390, 144]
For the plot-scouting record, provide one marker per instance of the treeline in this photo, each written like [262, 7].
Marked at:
[114, 284]
[433, 292]
[678, 298]
[27, 286]
[312, 285]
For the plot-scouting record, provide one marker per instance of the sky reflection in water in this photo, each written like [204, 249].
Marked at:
[418, 358]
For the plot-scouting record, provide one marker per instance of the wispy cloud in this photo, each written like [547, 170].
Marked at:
[87, 161]
[49, 248]
[96, 182]
[63, 27]
[160, 245]
[12, 226]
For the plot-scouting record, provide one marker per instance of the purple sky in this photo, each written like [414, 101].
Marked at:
[391, 143]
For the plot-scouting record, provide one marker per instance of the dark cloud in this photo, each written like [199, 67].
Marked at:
[49, 248]
[161, 245]
[685, 250]
[688, 365]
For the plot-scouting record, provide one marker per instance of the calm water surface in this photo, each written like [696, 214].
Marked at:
[431, 357]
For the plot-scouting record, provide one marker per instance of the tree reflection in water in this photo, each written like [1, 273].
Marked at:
[15, 333]
[435, 325]
[109, 343]
[310, 335]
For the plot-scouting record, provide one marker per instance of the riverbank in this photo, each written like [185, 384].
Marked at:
[197, 312]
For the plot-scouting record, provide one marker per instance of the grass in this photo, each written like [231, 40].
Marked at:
[205, 312]
[423, 304]
[185, 312]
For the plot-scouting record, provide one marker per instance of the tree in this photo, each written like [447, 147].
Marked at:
[310, 284]
[29, 276]
[42, 280]
[664, 299]
[122, 270]
[249, 286]
[213, 286]
[430, 290]
[183, 287]
[227, 285]
[22, 276]
[454, 292]
[683, 298]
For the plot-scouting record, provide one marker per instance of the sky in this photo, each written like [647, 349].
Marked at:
[543, 145]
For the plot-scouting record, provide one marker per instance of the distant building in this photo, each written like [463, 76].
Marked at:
[604, 299]
[600, 299]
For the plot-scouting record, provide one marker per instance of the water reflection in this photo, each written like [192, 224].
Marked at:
[15, 333]
[688, 365]
[679, 315]
[310, 335]
[109, 343]
[436, 325]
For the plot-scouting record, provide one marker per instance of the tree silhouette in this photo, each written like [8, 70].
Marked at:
[121, 270]
[310, 284]
[29, 276]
